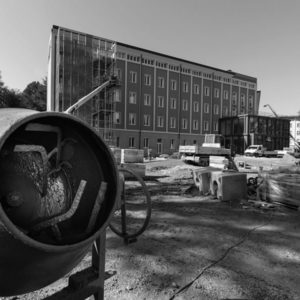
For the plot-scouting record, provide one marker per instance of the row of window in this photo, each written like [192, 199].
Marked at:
[297, 125]
[161, 102]
[161, 121]
[132, 144]
[185, 87]
[184, 70]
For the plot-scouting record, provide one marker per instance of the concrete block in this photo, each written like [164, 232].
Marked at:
[139, 169]
[202, 180]
[229, 186]
[117, 154]
[132, 156]
[218, 162]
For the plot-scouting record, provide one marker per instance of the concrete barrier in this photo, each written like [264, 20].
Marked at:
[228, 186]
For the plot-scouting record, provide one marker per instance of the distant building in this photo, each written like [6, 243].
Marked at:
[162, 101]
[294, 129]
[242, 131]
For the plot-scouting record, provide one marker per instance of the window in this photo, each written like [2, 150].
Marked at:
[196, 106]
[298, 132]
[173, 103]
[132, 77]
[226, 94]
[119, 74]
[206, 90]
[132, 119]
[250, 101]
[196, 89]
[173, 85]
[131, 142]
[184, 105]
[195, 124]
[147, 79]
[161, 82]
[298, 125]
[234, 111]
[132, 97]
[216, 109]
[147, 119]
[185, 87]
[118, 141]
[172, 144]
[184, 123]
[161, 101]
[172, 122]
[206, 108]
[225, 111]
[117, 117]
[216, 127]
[146, 143]
[205, 125]
[234, 97]
[217, 93]
[147, 99]
[242, 99]
[116, 95]
[160, 121]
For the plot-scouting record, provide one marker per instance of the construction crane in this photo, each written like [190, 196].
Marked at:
[297, 145]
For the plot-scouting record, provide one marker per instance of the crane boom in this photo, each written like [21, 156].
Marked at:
[86, 98]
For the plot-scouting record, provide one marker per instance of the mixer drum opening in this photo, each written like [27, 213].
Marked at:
[59, 185]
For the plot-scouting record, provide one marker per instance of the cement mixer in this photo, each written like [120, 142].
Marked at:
[58, 189]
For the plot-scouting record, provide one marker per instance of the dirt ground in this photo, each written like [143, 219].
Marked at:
[196, 247]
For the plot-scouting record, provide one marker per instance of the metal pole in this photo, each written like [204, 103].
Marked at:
[98, 263]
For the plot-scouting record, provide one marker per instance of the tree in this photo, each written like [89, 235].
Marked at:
[1, 82]
[34, 95]
[9, 97]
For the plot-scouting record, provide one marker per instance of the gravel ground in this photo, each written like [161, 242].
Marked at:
[196, 247]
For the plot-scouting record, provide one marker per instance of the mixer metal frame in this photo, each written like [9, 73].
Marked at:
[89, 281]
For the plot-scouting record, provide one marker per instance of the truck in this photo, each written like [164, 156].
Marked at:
[260, 151]
[199, 155]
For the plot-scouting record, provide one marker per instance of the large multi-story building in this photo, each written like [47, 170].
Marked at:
[162, 101]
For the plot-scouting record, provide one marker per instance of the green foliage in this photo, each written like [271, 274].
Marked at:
[34, 96]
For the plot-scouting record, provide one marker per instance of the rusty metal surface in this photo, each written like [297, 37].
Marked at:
[31, 261]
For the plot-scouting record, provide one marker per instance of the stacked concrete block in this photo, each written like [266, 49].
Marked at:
[117, 154]
[128, 155]
[132, 156]
[139, 169]
[202, 180]
[220, 162]
[228, 186]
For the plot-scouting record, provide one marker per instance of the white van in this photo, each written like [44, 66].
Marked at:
[255, 150]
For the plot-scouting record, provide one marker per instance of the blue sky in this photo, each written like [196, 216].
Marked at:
[260, 38]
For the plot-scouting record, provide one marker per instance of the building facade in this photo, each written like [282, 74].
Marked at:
[161, 102]
[241, 131]
[294, 131]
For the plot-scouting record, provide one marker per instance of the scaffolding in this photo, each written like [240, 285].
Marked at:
[80, 63]
[103, 104]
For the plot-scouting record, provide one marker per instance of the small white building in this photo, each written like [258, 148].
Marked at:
[295, 130]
